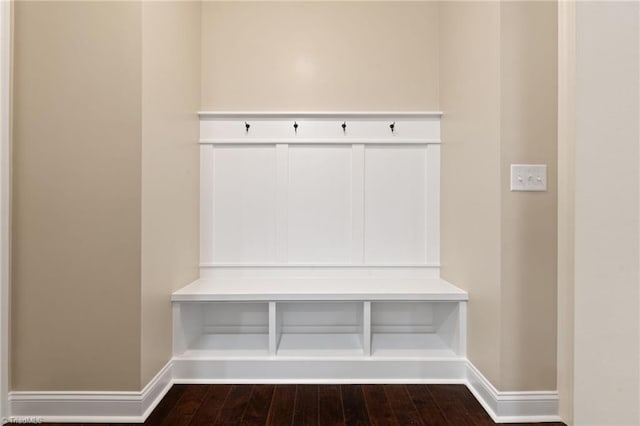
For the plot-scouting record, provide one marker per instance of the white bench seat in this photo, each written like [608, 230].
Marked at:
[319, 289]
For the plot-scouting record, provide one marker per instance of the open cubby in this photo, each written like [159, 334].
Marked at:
[222, 329]
[415, 329]
[319, 329]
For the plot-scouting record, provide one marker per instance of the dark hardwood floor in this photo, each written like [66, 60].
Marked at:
[303, 405]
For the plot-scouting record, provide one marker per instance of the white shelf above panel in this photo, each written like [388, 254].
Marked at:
[317, 114]
[229, 345]
[319, 345]
[409, 345]
[318, 289]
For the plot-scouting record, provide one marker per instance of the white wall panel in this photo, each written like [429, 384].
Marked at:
[206, 203]
[432, 214]
[320, 198]
[395, 204]
[244, 181]
[319, 207]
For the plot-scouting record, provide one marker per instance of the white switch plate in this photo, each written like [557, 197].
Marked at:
[528, 177]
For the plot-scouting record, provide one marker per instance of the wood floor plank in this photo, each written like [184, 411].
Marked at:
[451, 406]
[354, 406]
[282, 405]
[166, 405]
[478, 414]
[306, 406]
[427, 408]
[378, 406]
[330, 411]
[186, 406]
[257, 410]
[402, 406]
[211, 406]
[233, 409]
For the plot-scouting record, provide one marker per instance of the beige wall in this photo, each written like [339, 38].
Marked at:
[105, 189]
[498, 93]
[606, 381]
[76, 196]
[170, 168]
[320, 56]
[528, 53]
[470, 224]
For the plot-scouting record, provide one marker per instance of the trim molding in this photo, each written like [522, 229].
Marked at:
[512, 407]
[84, 407]
[503, 407]
[81, 407]
[6, 40]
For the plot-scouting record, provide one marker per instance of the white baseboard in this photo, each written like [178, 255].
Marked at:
[132, 407]
[512, 407]
[91, 407]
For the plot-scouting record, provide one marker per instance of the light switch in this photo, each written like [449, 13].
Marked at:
[528, 177]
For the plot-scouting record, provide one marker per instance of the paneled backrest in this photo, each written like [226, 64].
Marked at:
[315, 193]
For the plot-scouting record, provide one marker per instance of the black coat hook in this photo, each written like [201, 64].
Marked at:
[344, 127]
[392, 126]
[246, 126]
[295, 126]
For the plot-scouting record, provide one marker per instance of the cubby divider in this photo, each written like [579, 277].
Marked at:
[274, 333]
[366, 328]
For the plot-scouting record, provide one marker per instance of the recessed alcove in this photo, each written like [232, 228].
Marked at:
[335, 211]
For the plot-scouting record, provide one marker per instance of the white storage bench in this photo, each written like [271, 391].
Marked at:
[319, 253]
[319, 330]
